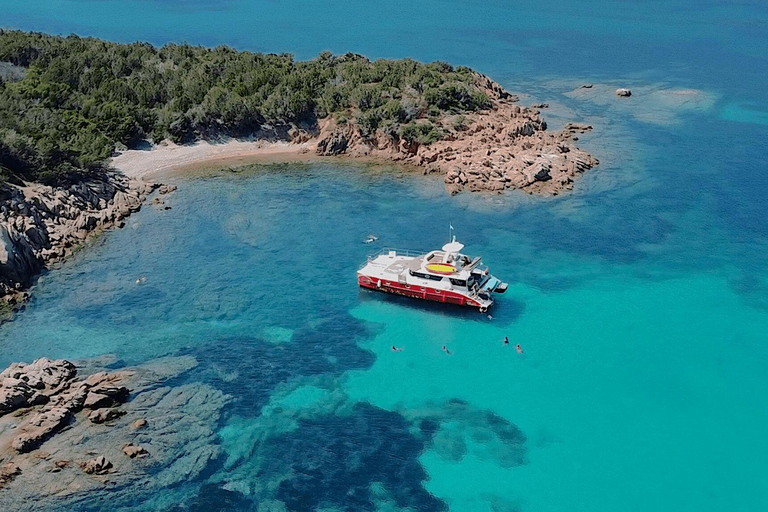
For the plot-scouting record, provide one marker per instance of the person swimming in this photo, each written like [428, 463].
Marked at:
[519, 348]
[445, 349]
[395, 349]
[506, 340]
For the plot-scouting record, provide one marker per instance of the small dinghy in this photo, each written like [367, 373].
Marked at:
[370, 239]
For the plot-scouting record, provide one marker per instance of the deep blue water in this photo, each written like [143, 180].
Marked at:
[641, 299]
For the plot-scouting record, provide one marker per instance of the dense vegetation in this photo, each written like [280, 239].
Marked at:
[67, 103]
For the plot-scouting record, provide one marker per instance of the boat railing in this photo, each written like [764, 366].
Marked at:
[397, 252]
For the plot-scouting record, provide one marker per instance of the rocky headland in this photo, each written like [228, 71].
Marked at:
[504, 147]
[69, 431]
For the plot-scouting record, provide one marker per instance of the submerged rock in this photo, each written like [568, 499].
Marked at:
[99, 465]
[103, 415]
[8, 472]
[139, 424]
[166, 189]
[133, 451]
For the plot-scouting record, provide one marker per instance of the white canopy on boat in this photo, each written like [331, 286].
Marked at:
[452, 247]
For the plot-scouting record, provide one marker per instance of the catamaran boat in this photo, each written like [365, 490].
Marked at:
[442, 276]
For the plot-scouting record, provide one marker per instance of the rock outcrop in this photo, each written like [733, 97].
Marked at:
[53, 386]
[25, 385]
[505, 147]
[162, 436]
[40, 225]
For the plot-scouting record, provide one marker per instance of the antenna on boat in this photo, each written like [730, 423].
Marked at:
[451, 238]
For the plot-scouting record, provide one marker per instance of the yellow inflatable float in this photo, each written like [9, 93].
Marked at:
[441, 268]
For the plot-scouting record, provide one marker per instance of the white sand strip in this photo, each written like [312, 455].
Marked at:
[168, 157]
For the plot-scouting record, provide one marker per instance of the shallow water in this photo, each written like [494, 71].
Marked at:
[640, 300]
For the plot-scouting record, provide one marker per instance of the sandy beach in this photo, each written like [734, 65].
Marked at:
[168, 157]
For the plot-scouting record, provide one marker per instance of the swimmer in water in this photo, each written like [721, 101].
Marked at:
[395, 349]
[519, 348]
[445, 349]
[506, 340]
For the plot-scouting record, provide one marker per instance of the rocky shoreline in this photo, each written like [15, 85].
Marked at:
[41, 225]
[504, 147]
[64, 436]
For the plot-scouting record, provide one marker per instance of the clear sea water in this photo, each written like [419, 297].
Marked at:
[641, 300]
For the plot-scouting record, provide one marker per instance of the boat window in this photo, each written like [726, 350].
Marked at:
[459, 282]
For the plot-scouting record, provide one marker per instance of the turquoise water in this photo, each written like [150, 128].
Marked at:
[640, 300]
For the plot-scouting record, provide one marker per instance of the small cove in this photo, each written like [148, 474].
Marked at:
[641, 299]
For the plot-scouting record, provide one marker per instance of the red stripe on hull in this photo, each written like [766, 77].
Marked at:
[415, 291]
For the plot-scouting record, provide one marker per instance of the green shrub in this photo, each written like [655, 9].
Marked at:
[368, 122]
[423, 133]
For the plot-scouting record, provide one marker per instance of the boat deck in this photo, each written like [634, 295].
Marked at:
[395, 265]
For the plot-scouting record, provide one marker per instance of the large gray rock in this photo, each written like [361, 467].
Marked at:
[23, 385]
[40, 427]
